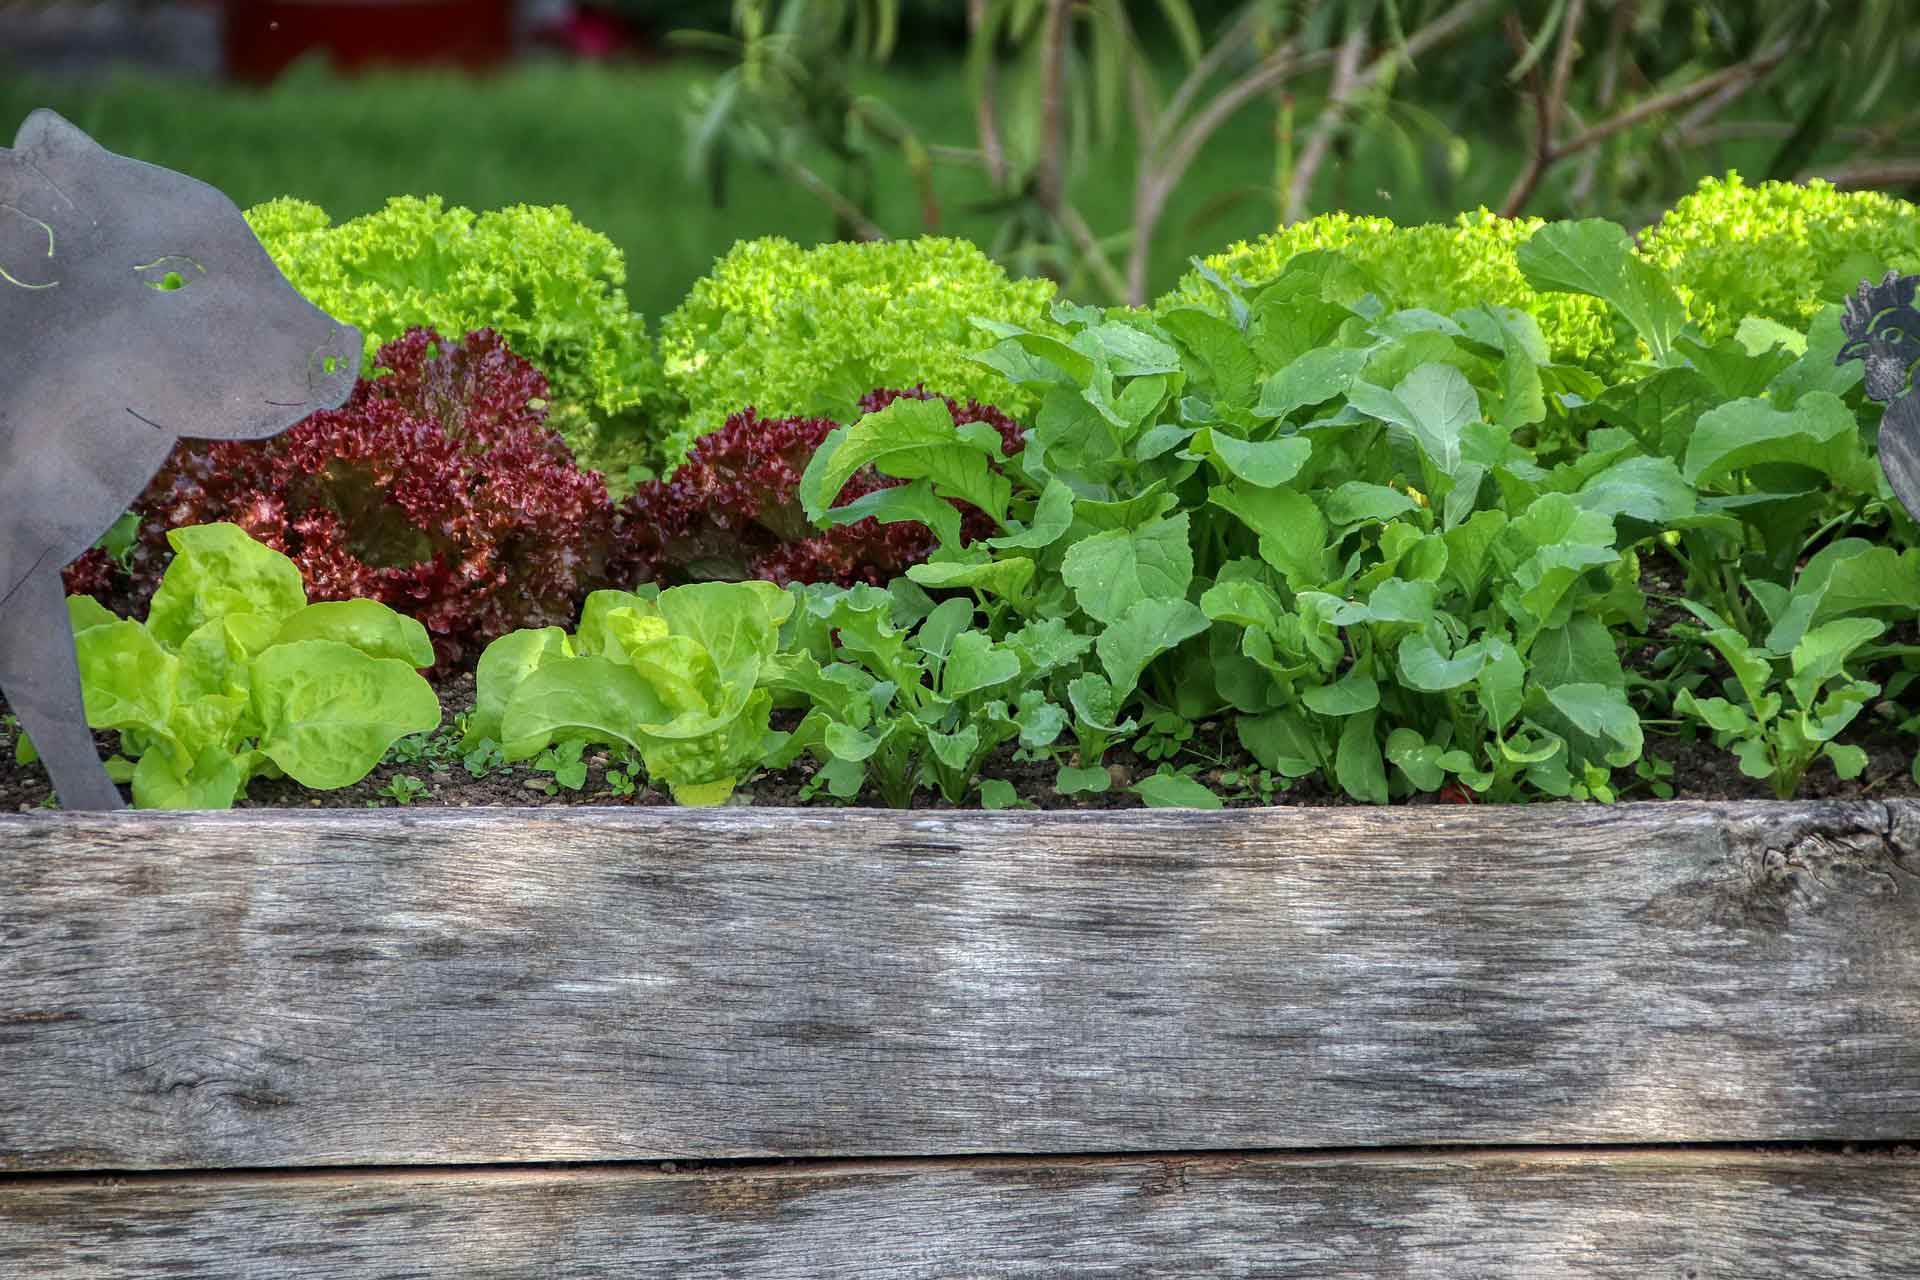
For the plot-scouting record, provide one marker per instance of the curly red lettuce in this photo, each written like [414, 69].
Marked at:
[437, 489]
[732, 510]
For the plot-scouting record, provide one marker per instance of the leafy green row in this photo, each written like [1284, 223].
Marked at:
[1351, 529]
[1404, 547]
[1777, 251]
[807, 331]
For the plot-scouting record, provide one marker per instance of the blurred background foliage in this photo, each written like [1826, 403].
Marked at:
[1102, 142]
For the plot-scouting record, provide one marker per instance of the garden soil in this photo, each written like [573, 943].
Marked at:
[1700, 772]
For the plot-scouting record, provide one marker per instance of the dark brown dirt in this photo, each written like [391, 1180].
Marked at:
[1699, 772]
[1679, 766]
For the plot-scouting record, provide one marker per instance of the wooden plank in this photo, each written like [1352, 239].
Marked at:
[1484, 1217]
[300, 989]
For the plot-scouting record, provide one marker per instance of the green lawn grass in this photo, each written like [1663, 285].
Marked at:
[609, 144]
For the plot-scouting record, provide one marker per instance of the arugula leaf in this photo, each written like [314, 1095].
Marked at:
[1358, 765]
[1314, 377]
[1595, 257]
[1148, 628]
[1264, 462]
[1292, 532]
[1282, 741]
[1352, 694]
[1819, 433]
[1649, 491]
[915, 502]
[1434, 403]
[1176, 791]
[1111, 571]
[974, 663]
[1221, 350]
[910, 439]
[1006, 577]
[1052, 517]
[1356, 501]
[1601, 711]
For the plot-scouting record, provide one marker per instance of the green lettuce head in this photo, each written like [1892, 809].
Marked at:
[549, 286]
[1439, 266]
[1779, 251]
[798, 332]
[676, 677]
[234, 676]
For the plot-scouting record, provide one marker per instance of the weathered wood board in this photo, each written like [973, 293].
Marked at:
[265, 989]
[1699, 1215]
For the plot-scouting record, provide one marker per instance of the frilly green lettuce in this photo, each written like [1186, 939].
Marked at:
[807, 332]
[1778, 251]
[549, 286]
[1439, 266]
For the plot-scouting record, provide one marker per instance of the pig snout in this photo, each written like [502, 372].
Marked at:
[333, 367]
[323, 380]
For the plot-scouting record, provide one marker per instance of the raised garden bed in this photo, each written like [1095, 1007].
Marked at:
[1448, 1041]
[1302, 542]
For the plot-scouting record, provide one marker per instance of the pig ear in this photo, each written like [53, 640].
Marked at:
[44, 135]
[39, 179]
[27, 240]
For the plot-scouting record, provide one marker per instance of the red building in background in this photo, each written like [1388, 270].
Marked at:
[264, 36]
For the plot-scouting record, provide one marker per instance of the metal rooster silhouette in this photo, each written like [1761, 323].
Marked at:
[136, 307]
[1883, 329]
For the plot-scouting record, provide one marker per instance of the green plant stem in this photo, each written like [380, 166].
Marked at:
[1351, 83]
[1050, 177]
[1729, 84]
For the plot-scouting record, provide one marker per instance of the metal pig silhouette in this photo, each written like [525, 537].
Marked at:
[1883, 329]
[136, 307]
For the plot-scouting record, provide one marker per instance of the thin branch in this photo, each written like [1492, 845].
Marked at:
[1140, 85]
[1540, 154]
[1345, 87]
[1172, 150]
[1157, 182]
[1549, 102]
[1089, 246]
[1625, 13]
[1140, 100]
[1275, 70]
[970, 157]
[1563, 63]
[1723, 86]
[1050, 181]
[844, 209]
[1703, 114]
[1876, 174]
[1447, 26]
[1203, 71]
[1674, 99]
[1774, 130]
[1452, 23]
[986, 114]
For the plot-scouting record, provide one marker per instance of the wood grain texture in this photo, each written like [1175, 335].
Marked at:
[1643, 1216]
[268, 989]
